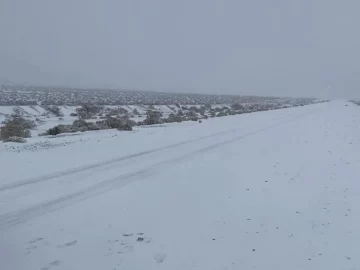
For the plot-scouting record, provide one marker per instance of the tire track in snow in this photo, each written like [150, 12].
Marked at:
[20, 216]
[113, 161]
[108, 162]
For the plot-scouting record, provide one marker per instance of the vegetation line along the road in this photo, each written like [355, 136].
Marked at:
[95, 115]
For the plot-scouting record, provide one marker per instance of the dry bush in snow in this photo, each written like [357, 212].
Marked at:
[16, 127]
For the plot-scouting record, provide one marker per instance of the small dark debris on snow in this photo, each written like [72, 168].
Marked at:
[266, 181]
[140, 239]
[214, 239]
[36, 240]
[253, 249]
[72, 243]
[348, 258]
[140, 233]
[54, 263]
[127, 234]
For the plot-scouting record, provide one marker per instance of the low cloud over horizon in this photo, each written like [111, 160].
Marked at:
[272, 48]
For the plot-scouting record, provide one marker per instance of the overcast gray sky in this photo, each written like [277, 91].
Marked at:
[260, 47]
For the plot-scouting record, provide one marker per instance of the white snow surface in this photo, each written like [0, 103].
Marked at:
[267, 190]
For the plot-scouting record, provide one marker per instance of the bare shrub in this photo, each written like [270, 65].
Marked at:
[180, 113]
[152, 118]
[120, 123]
[237, 106]
[174, 118]
[88, 110]
[53, 131]
[221, 114]
[116, 111]
[15, 139]
[190, 115]
[18, 112]
[54, 110]
[16, 127]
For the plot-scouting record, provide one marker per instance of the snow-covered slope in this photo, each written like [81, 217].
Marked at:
[268, 190]
[49, 120]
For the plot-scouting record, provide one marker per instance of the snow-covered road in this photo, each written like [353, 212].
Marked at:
[269, 190]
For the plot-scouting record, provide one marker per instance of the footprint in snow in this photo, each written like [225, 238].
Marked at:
[160, 257]
[143, 239]
[68, 244]
[31, 247]
[36, 240]
[33, 244]
[53, 263]
[72, 243]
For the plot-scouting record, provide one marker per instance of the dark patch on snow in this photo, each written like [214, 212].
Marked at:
[140, 239]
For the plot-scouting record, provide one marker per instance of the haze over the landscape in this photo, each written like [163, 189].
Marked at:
[280, 47]
[236, 145]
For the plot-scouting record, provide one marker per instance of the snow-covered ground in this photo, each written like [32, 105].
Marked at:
[267, 190]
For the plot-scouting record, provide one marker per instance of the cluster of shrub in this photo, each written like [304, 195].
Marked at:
[16, 127]
[54, 110]
[120, 123]
[119, 118]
